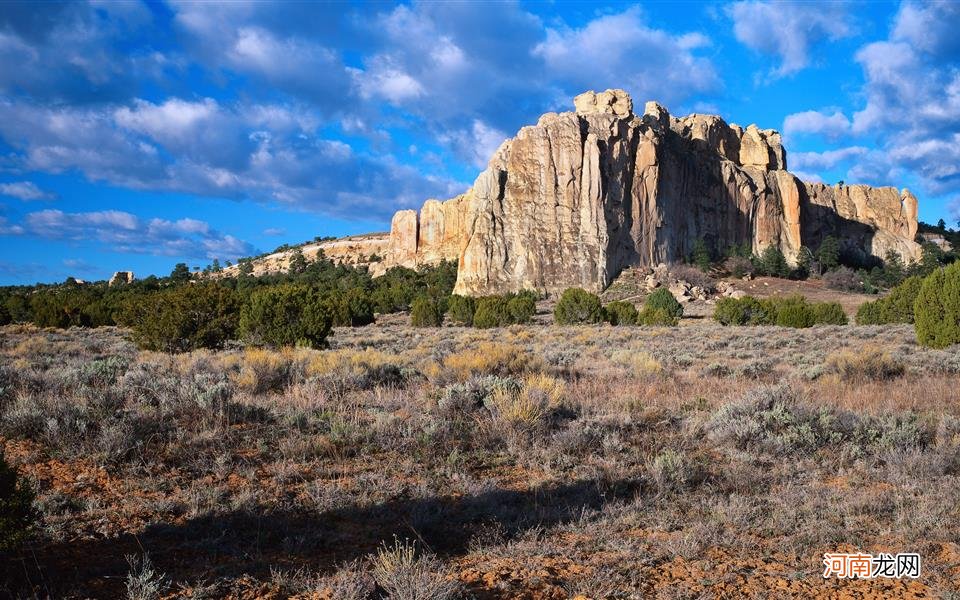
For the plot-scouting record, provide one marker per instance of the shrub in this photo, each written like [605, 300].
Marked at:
[772, 419]
[460, 309]
[829, 313]
[638, 363]
[352, 308]
[405, 575]
[577, 307]
[701, 255]
[773, 263]
[795, 312]
[656, 316]
[739, 311]
[490, 358]
[185, 318]
[672, 471]
[662, 300]
[622, 313]
[425, 312]
[143, 582]
[5, 318]
[937, 308]
[896, 307]
[870, 313]
[527, 406]
[866, 364]
[521, 307]
[492, 311]
[285, 315]
[17, 514]
[844, 279]
[738, 266]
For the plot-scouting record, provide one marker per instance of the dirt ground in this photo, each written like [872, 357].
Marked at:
[533, 462]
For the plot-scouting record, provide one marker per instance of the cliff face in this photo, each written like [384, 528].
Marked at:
[579, 196]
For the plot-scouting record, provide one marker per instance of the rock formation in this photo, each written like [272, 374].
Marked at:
[578, 197]
[120, 278]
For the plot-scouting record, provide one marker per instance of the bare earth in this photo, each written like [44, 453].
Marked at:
[533, 462]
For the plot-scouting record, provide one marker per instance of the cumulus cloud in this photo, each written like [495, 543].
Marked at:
[6, 228]
[790, 31]
[70, 53]
[832, 126]
[313, 101]
[622, 50]
[827, 159]
[912, 93]
[25, 190]
[289, 46]
[125, 232]
[78, 265]
[807, 176]
[449, 63]
[205, 148]
[477, 144]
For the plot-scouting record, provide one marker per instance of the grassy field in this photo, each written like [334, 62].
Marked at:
[532, 462]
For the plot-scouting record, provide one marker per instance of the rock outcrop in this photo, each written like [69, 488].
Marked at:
[121, 278]
[578, 197]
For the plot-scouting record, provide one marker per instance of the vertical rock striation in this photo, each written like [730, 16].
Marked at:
[579, 196]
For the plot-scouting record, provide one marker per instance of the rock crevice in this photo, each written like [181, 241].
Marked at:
[578, 197]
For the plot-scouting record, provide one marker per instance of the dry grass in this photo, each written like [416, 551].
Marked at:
[490, 358]
[867, 363]
[530, 462]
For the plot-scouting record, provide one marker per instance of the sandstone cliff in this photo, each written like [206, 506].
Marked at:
[576, 198]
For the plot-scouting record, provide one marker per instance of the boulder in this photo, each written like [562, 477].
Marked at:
[120, 278]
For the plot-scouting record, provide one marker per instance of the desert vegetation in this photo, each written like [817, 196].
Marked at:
[537, 461]
[325, 434]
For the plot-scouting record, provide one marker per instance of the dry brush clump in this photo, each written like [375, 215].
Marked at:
[583, 449]
[867, 363]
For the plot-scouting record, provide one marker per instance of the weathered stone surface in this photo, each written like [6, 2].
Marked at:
[762, 148]
[610, 102]
[868, 221]
[121, 277]
[403, 239]
[578, 197]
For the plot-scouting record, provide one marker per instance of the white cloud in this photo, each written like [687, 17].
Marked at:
[78, 265]
[7, 229]
[173, 120]
[620, 50]
[279, 44]
[807, 176]
[825, 160]
[912, 100]
[832, 126]
[124, 232]
[477, 144]
[209, 149]
[385, 80]
[789, 30]
[25, 190]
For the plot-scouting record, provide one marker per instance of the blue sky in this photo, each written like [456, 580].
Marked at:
[137, 135]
